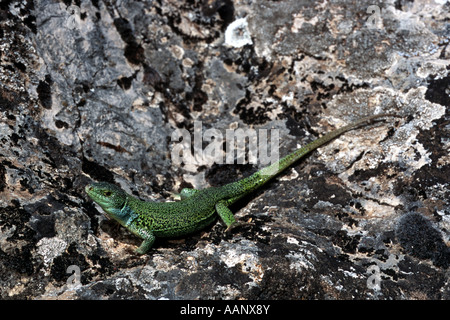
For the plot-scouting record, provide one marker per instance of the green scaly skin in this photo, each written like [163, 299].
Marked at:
[197, 208]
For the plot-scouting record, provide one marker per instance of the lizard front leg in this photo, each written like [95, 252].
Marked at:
[149, 239]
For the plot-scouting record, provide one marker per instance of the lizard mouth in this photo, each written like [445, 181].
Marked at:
[88, 188]
[90, 191]
[98, 198]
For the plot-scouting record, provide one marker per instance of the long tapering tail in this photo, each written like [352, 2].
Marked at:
[247, 185]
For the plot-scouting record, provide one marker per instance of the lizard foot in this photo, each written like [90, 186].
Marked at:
[237, 224]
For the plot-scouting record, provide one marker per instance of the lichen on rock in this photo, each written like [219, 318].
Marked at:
[93, 90]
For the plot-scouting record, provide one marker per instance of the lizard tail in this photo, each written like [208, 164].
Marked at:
[247, 185]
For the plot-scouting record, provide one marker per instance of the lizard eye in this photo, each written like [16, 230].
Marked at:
[107, 193]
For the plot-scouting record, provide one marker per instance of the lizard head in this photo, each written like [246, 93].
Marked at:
[111, 198]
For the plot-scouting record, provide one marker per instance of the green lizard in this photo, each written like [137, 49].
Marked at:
[197, 208]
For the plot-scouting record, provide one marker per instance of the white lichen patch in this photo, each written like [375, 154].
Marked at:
[299, 20]
[237, 34]
[301, 259]
[246, 257]
[292, 241]
[50, 248]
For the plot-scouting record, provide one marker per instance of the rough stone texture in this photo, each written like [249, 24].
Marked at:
[93, 90]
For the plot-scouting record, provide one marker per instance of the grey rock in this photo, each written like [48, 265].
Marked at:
[94, 91]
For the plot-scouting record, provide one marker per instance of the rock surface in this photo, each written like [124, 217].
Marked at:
[93, 91]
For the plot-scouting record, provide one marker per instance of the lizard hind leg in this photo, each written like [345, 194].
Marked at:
[227, 216]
